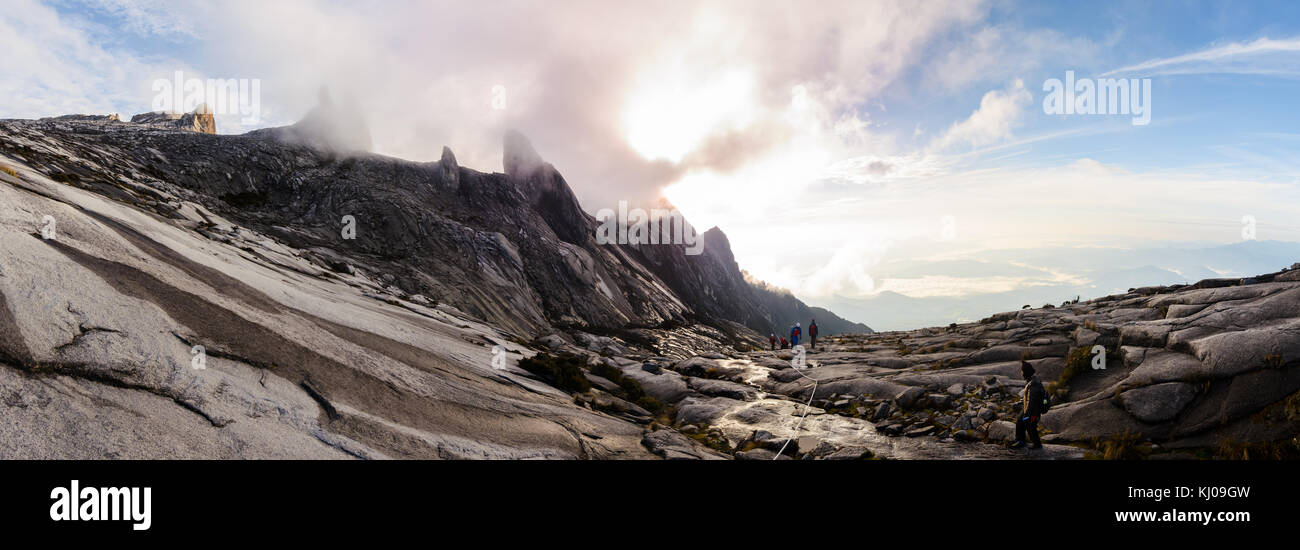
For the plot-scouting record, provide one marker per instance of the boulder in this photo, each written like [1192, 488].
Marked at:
[672, 445]
[1001, 430]
[908, 397]
[917, 432]
[939, 401]
[850, 453]
[1159, 402]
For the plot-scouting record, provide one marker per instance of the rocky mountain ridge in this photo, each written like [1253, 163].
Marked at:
[252, 296]
[169, 293]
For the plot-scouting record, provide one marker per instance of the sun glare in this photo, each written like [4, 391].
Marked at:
[675, 111]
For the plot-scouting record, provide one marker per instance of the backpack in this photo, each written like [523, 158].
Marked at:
[1046, 403]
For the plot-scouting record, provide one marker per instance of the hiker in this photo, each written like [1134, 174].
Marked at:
[1033, 397]
[812, 333]
[784, 343]
[771, 337]
[794, 334]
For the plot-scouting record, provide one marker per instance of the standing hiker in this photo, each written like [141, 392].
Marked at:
[771, 337]
[1034, 398]
[794, 334]
[812, 333]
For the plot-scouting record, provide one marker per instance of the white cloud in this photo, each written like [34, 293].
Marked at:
[1261, 56]
[998, 113]
[997, 53]
[53, 66]
[148, 18]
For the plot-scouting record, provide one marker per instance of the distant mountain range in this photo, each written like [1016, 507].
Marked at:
[1055, 275]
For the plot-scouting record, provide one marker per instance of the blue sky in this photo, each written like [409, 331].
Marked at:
[832, 141]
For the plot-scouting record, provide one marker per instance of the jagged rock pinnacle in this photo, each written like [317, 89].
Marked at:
[519, 158]
[450, 170]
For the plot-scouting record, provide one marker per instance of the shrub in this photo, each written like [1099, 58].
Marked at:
[8, 170]
[563, 371]
[1079, 361]
[1123, 446]
[1231, 449]
[631, 389]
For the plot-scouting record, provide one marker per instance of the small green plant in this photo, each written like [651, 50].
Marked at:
[1078, 361]
[563, 371]
[1121, 446]
[1231, 449]
[631, 389]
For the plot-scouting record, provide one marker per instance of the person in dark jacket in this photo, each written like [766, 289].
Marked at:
[772, 338]
[812, 333]
[1032, 408]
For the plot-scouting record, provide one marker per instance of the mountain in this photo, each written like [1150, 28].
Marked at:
[785, 306]
[515, 249]
[287, 294]
[169, 293]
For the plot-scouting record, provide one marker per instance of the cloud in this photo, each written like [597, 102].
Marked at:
[52, 65]
[623, 98]
[998, 113]
[999, 53]
[147, 18]
[1261, 56]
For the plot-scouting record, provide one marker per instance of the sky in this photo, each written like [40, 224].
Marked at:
[832, 141]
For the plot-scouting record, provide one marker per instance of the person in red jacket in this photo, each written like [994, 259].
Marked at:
[772, 338]
[784, 343]
[812, 333]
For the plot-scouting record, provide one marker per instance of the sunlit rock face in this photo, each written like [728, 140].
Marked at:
[201, 120]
